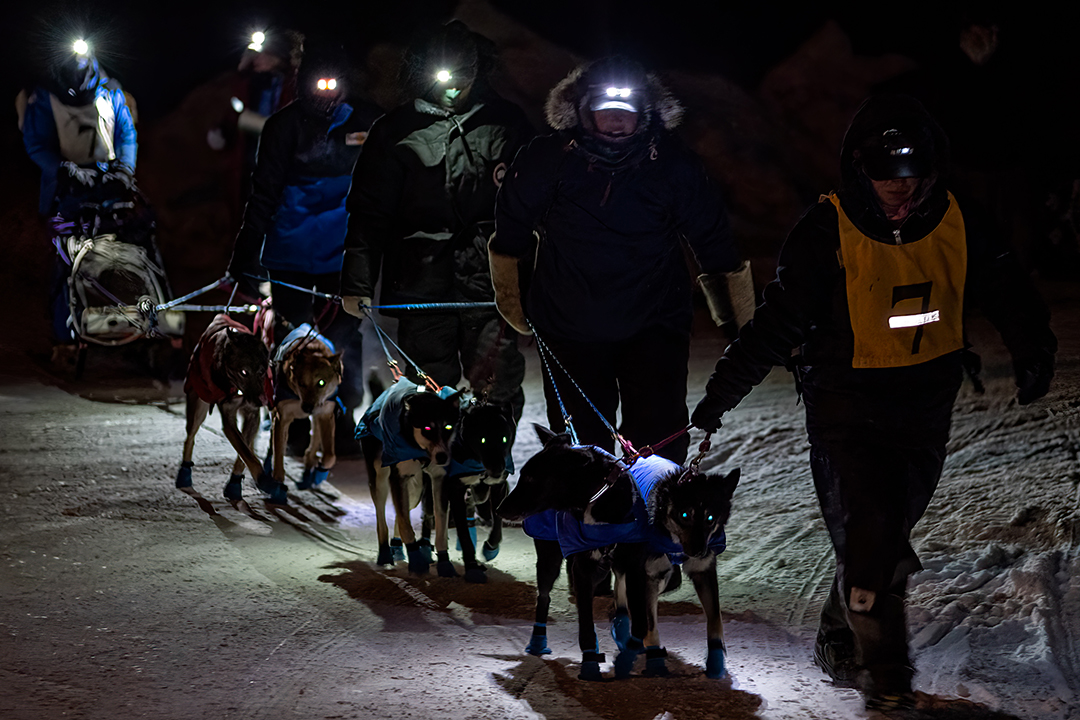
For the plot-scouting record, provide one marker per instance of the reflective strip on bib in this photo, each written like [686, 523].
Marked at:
[906, 302]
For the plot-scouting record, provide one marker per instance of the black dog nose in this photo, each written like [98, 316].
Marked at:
[307, 409]
[441, 458]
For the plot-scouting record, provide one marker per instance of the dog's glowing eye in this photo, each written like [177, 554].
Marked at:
[321, 383]
[483, 440]
[449, 427]
[709, 519]
[427, 429]
[243, 372]
[504, 439]
[685, 515]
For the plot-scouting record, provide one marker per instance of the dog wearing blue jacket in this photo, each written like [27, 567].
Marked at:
[641, 521]
[405, 435]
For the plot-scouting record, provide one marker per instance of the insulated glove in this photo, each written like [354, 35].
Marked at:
[730, 296]
[123, 175]
[356, 305]
[707, 414]
[1033, 378]
[85, 176]
[505, 280]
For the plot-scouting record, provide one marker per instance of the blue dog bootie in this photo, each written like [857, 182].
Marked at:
[628, 655]
[590, 666]
[490, 552]
[386, 556]
[183, 475]
[397, 550]
[234, 489]
[278, 493]
[714, 661]
[655, 662]
[419, 564]
[538, 642]
[620, 628]
[423, 545]
[444, 567]
[320, 475]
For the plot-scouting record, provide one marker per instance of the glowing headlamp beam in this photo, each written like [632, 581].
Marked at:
[80, 47]
[443, 76]
[257, 40]
[327, 84]
[618, 92]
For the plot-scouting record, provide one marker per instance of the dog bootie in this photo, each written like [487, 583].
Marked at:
[386, 556]
[183, 476]
[268, 462]
[423, 545]
[476, 573]
[397, 549]
[418, 562]
[320, 475]
[714, 661]
[279, 495]
[234, 489]
[305, 482]
[628, 655]
[444, 567]
[538, 642]
[489, 552]
[655, 662]
[620, 628]
[590, 666]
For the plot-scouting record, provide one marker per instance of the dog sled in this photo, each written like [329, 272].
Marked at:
[116, 285]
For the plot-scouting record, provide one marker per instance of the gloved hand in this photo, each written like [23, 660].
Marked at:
[85, 176]
[1033, 376]
[356, 305]
[123, 175]
[707, 414]
[239, 274]
[504, 280]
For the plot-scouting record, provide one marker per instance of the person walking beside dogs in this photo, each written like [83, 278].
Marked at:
[872, 285]
[422, 206]
[295, 220]
[603, 205]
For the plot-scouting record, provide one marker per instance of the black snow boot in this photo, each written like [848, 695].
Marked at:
[834, 653]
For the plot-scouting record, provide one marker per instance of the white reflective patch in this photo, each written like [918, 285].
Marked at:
[906, 321]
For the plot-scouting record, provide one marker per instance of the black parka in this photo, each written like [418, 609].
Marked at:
[422, 202]
[609, 259]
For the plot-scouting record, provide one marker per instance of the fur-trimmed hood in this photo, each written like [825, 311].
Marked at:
[563, 105]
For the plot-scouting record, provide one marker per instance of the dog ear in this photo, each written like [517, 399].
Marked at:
[338, 362]
[544, 434]
[728, 483]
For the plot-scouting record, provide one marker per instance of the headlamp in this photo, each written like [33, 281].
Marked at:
[80, 47]
[327, 84]
[257, 40]
[444, 76]
[618, 92]
[613, 97]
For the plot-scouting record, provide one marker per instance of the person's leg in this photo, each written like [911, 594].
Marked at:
[491, 360]
[591, 368]
[431, 340]
[652, 370]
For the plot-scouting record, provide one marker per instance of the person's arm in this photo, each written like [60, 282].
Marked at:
[702, 219]
[998, 285]
[805, 276]
[373, 204]
[528, 190]
[39, 133]
[125, 138]
[277, 145]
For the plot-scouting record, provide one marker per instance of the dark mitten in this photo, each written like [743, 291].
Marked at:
[707, 414]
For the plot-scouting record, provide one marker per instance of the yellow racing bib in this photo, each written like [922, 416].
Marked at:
[906, 301]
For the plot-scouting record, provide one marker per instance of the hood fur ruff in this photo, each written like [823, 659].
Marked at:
[561, 108]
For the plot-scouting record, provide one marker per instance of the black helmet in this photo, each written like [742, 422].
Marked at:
[446, 59]
[613, 83]
[897, 153]
[76, 75]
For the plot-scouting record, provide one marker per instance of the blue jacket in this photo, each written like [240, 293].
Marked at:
[295, 218]
[281, 386]
[575, 536]
[43, 142]
[383, 421]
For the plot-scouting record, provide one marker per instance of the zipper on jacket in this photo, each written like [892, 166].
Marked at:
[896, 234]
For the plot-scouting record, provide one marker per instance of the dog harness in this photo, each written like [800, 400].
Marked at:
[302, 335]
[383, 421]
[200, 374]
[906, 302]
[574, 535]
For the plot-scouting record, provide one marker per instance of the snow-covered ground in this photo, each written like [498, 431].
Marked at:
[120, 597]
